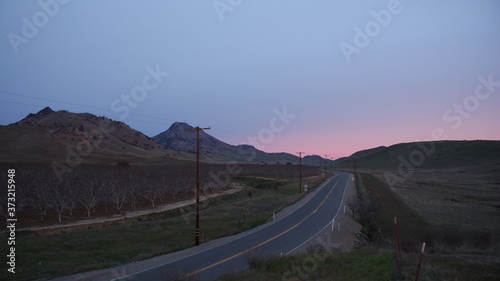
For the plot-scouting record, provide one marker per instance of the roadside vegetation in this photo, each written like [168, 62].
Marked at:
[366, 264]
[97, 248]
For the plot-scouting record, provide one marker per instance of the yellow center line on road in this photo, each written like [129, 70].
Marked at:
[263, 243]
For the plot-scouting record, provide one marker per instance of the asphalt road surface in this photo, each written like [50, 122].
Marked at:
[275, 238]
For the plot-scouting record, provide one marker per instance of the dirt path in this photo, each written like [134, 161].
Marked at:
[124, 218]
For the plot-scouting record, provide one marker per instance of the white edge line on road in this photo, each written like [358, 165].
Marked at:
[215, 246]
[343, 195]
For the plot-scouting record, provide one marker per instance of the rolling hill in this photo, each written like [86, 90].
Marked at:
[425, 155]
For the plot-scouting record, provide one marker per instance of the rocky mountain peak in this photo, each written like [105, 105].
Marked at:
[44, 112]
[180, 126]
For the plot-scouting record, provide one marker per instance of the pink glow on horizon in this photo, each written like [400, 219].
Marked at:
[347, 145]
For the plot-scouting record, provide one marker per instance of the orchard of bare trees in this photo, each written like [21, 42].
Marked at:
[111, 189]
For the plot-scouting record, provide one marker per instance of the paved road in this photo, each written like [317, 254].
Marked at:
[275, 238]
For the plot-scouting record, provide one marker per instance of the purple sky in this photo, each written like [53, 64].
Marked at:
[323, 77]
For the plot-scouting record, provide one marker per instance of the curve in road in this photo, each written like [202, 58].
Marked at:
[277, 237]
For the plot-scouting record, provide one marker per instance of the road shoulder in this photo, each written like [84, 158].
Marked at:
[339, 238]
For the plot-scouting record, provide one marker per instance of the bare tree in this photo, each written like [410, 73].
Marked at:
[187, 185]
[134, 189]
[118, 191]
[150, 193]
[159, 181]
[91, 194]
[39, 198]
[354, 205]
[59, 199]
[162, 192]
[220, 179]
[72, 197]
[182, 179]
[144, 179]
[173, 185]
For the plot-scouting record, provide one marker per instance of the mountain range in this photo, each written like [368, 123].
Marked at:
[48, 136]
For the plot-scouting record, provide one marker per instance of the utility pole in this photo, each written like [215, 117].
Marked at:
[326, 157]
[197, 231]
[300, 171]
[354, 171]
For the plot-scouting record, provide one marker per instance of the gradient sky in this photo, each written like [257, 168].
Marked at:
[233, 64]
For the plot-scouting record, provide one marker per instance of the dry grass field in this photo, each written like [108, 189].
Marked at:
[466, 198]
[454, 211]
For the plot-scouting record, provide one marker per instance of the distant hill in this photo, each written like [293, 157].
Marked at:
[181, 137]
[359, 154]
[315, 160]
[50, 135]
[366, 152]
[426, 155]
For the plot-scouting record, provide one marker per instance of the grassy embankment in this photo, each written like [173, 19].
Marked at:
[67, 253]
[366, 264]
[451, 253]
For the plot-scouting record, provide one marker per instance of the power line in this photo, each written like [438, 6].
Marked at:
[45, 99]
[238, 140]
[109, 110]
[42, 106]
[20, 103]
[81, 105]
[326, 157]
[300, 171]
[235, 138]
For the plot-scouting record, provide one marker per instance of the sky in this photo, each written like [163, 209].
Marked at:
[321, 77]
